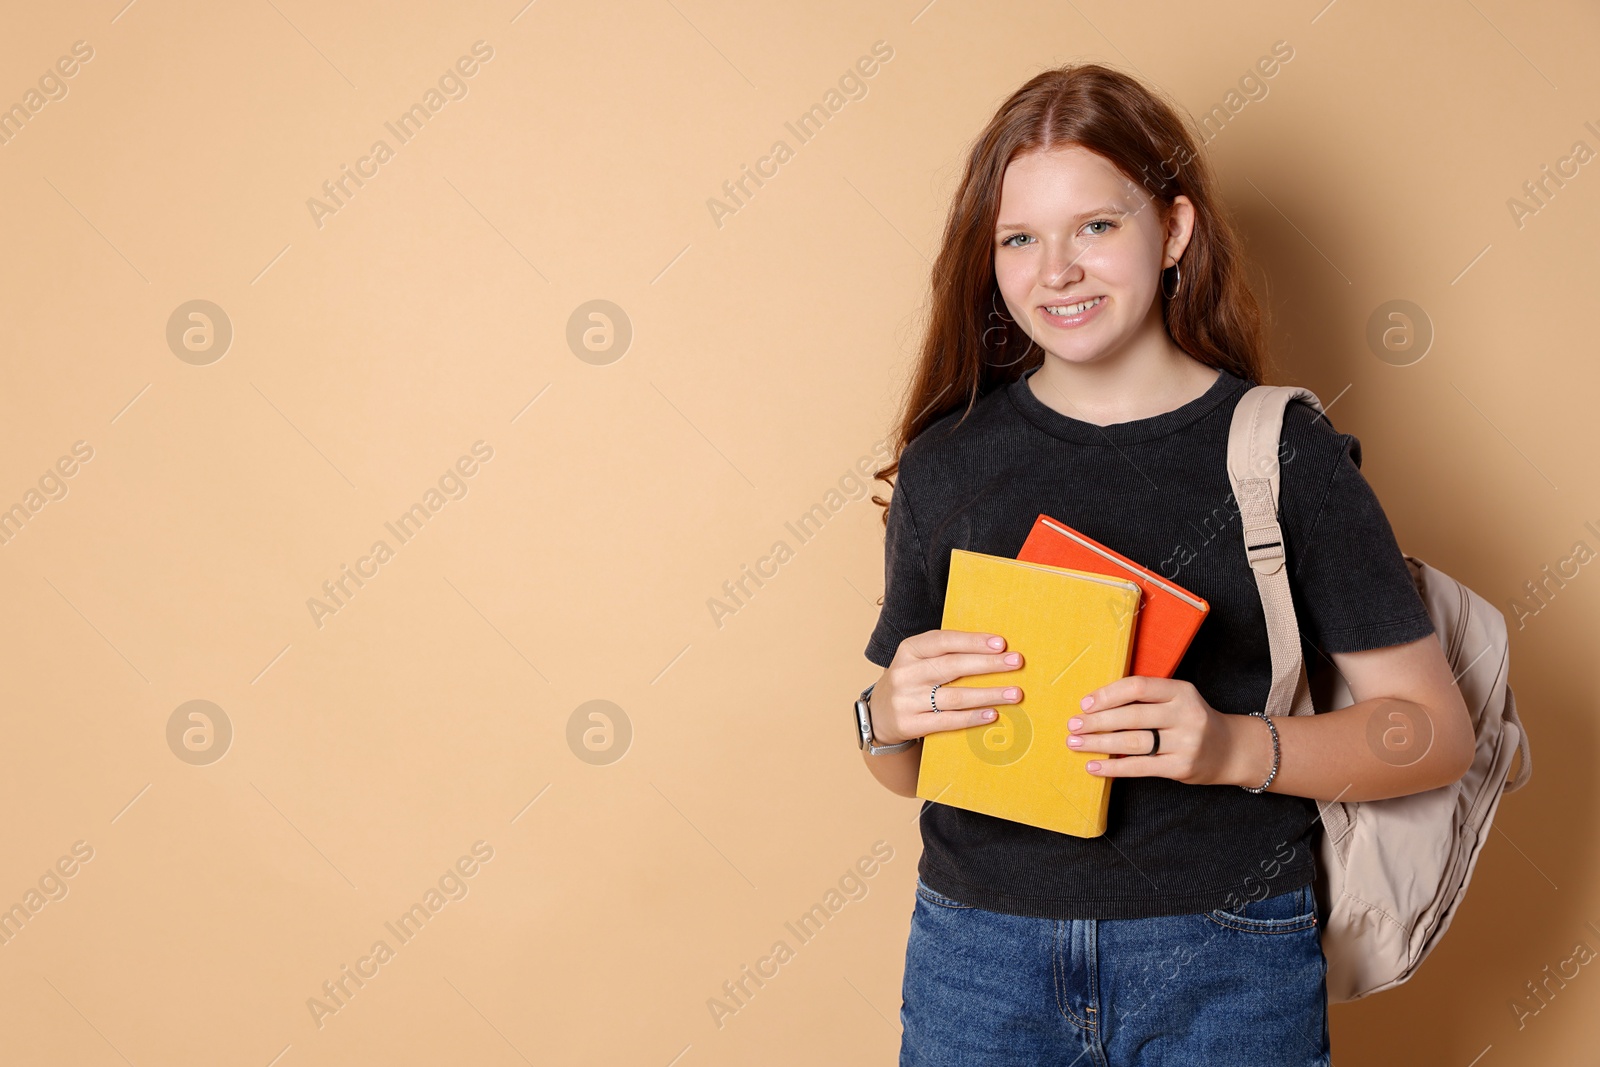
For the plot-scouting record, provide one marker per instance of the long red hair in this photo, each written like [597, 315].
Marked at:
[1214, 317]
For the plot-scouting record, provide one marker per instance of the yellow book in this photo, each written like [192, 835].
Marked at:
[1075, 630]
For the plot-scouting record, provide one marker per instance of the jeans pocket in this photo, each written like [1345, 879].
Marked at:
[933, 896]
[1286, 913]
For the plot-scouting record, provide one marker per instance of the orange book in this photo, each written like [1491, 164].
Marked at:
[1169, 615]
[1075, 632]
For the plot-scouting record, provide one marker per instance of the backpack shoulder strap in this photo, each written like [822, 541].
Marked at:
[1253, 443]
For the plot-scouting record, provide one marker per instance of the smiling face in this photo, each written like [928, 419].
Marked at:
[1076, 237]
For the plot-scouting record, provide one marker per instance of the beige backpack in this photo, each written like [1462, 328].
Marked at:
[1390, 872]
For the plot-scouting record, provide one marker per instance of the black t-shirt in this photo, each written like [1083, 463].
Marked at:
[1157, 491]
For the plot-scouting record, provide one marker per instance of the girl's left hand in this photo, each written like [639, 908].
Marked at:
[1197, 740]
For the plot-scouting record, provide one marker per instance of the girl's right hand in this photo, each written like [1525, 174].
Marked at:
[901, 709]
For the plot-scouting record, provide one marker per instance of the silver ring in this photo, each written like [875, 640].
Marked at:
[933, 698]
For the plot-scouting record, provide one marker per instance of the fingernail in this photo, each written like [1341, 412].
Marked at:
[1086, 703]
[1073, 724]
[1093, 765]
[1074, 742]
[987, 715]
[1012, 694]
[1013, 659]
[996, 642]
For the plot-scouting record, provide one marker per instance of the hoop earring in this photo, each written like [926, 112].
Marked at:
[1178, 281]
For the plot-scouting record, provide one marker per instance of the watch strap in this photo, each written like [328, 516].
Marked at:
[864, 712]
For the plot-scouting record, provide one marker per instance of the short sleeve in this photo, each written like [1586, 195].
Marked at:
[1353, 590]
[908, 606]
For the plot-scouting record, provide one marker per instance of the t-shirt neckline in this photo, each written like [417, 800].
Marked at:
[1134, 431]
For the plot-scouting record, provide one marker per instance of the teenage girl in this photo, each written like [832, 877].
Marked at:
[1091, 333]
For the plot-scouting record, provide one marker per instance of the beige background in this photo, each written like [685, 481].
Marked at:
[431, 311]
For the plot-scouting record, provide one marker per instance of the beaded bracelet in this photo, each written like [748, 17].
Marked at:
[1274, 773]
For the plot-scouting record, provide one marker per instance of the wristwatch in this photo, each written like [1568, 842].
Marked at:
[864, 727]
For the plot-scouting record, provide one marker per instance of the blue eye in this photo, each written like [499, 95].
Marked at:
[1014, 241]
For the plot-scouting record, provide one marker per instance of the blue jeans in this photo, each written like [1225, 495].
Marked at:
[1239, 988]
